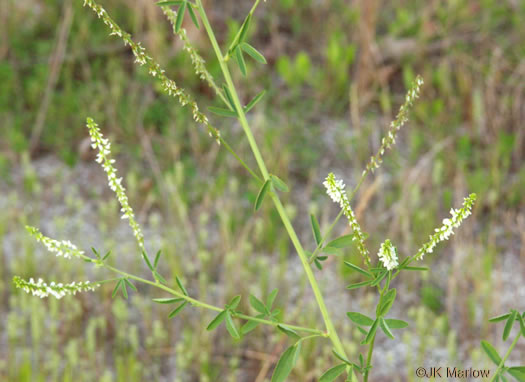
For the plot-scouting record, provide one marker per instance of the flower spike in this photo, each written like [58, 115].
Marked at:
[335, 188]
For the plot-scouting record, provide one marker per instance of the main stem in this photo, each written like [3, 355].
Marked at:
[332, 334]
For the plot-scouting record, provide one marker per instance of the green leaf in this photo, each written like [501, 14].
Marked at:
[509, 324]
[258, 305]
[359, 285]
[193, 16]
[371, 332]
[171, 2]
[254, 53]
[244, 27]
[279, 184]
[521, 369]
[396, 324]
[341, 357]
[331, 374]
[106, 255]
[128, 283]
[234, 302]
[522, 324]
[180, 16]
[167, 300]
[254, 101]
[217, 320]
[387, 301]
[250, 325]
[288, 331]
[318, 264]
[146, 259]
[385, 328]
[271, 298]
[240, 60]
[332, 251]
[363, 331]
[341, 242]
[229, 97]
[262, 193]
[491, 352]
[379, 278]
[503, 317]
[159, 277]
[416, 268]
[519, 375]
[230, 326]
[117, 287]
[316, 229]
[360, 319]
[179, 283]
[360, 270]
[286, 363]
[222, 112]
[157, 258]
[124, 290]
[178, 309]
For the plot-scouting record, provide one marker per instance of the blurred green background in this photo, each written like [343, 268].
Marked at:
[336, 75]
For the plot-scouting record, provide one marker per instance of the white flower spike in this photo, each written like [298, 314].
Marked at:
[335, 188]
[41, 289]
[103, 146]
[443, 233]
[62, 248]
[388, 255]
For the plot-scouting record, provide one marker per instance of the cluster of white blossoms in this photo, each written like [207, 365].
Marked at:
[443, 233]
[395, 125]
[388, 255]
[103, 157]
[41, 289]
[62, 248]
[335, 188]
[142, 58]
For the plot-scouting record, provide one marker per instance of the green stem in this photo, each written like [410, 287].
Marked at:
[369, 357]
[262, 167]
[199, 303]
[502, 363]
[229, 148]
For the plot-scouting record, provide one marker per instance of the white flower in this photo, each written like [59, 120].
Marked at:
[115, 184]
[335, 188]
[61, 248]
[388, 255]
[41, 289]
[447, 229]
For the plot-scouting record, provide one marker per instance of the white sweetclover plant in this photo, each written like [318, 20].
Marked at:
[378, 273]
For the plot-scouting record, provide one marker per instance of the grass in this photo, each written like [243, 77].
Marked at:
[466, 135]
